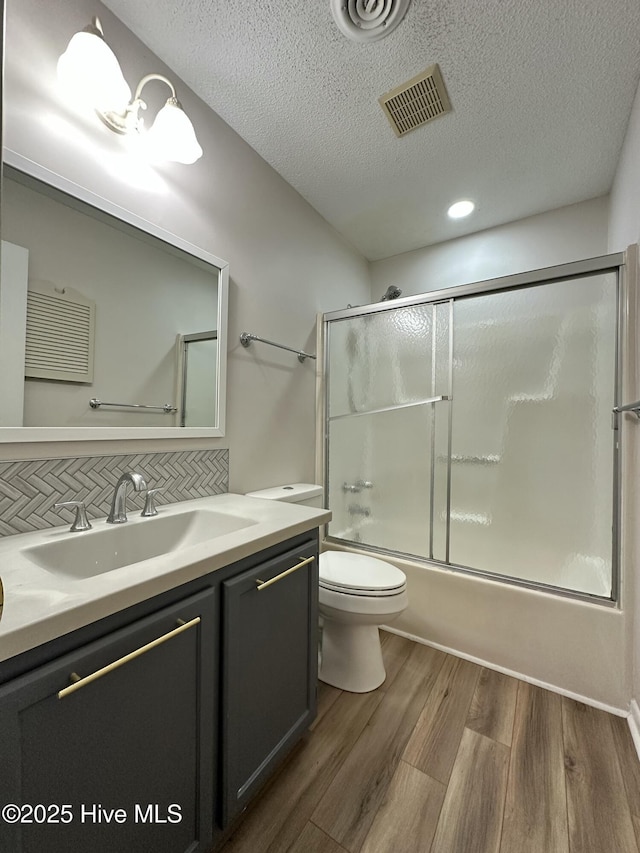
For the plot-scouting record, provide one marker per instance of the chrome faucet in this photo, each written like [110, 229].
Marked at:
[118, 513]
[358, 486]
[356, 509]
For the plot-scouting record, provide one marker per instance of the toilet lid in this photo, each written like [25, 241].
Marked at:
[357, 573]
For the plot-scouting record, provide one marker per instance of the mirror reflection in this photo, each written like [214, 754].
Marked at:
[198, 399]
[93, 309]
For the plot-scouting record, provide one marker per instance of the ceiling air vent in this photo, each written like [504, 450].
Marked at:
[416, 102]
[368, 20]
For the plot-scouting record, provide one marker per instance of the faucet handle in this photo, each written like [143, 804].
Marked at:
[150, 503]
[81, 522]
[364, 484]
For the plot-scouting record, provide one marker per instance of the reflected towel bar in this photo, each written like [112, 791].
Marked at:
[167, 408]
[246, 338]
[630, 407]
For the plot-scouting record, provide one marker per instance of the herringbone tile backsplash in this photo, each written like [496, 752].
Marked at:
[28, 490]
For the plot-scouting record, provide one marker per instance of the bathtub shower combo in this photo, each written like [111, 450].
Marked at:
[472, 427]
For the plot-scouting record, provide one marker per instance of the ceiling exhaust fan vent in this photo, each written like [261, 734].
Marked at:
[368, 20]
[416, 102]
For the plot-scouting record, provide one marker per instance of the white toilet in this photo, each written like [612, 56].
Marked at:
[357, 594]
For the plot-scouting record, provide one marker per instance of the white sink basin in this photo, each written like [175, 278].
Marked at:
[113, 546]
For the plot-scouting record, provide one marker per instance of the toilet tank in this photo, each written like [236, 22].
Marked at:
[305, 494]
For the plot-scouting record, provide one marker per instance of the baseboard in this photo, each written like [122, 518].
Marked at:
[586, 700]
[634, 724]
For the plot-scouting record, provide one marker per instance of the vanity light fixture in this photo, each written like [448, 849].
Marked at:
[90, 73]
[460, 209]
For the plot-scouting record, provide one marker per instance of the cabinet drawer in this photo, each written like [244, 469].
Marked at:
[133, 733]
[270, 669]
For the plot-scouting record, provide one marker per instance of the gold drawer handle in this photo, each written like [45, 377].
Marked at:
[79, 682]
[265, 584]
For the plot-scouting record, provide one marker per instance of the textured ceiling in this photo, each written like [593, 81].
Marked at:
[541, 92]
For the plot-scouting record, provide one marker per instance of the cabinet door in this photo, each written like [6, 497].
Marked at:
[270, 663]
[125, 761]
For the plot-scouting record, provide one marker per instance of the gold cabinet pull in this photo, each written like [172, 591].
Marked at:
[80, 682]
[265, 584]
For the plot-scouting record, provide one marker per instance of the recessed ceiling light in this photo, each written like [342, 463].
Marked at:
[460, 209]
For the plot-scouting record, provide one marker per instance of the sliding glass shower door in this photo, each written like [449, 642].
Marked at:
[475, 430]
[389, 392]
[532, 447]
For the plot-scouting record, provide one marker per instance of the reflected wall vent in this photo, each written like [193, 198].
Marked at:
[60, 334]
[416, 102]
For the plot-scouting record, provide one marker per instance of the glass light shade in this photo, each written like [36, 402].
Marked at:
[172, 137]
[90, 74]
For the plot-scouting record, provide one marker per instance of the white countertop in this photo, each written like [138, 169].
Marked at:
[40, 605]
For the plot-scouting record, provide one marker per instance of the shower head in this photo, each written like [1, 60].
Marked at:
[392, 292]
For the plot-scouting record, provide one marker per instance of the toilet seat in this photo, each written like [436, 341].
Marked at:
[357, 574]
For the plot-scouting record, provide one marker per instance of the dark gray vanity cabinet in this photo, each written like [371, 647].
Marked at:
[201, 692]
[269, 669]
[125, 761]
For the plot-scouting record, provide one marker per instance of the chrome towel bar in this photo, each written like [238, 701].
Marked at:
[246, 338]
[441, 398]
[167, 408]
[630, 407]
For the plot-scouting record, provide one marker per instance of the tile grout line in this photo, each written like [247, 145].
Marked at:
[508, 782]
[563, 717]
[446, 789]
[328, 834]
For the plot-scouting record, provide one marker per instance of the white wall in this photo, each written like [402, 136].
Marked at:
[286, 262]
[624, 209]
[624, 229]
[556, 237]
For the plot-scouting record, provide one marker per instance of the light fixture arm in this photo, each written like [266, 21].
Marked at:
[95, 28]
[144, 82]
[129, 120]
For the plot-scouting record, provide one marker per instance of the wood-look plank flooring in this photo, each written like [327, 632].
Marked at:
[449, 757]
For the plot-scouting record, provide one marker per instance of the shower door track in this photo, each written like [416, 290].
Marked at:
[613, 263]
[546, 275]
[539, 586]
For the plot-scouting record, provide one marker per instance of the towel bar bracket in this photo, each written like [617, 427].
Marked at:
[630, 407]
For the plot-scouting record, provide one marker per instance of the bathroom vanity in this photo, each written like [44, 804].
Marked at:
[151, 726]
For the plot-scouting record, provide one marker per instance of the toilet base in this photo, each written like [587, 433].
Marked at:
[351, 656]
